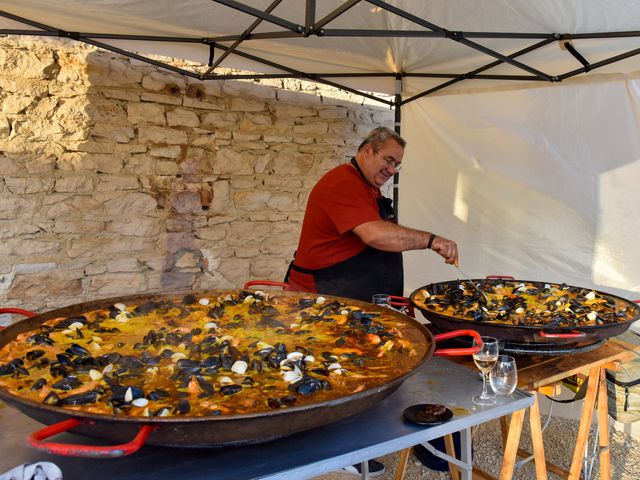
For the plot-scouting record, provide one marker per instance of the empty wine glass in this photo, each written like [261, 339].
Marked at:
[484, 359]
[503, 377]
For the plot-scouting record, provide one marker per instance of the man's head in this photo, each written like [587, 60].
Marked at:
[380, 154]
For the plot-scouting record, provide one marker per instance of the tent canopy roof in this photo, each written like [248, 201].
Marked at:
[439, 46]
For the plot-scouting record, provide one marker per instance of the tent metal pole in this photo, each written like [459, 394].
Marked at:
[241, 7]
[309, 17]
[458, 37]
[244, 35]
[576, 54]
[347, 32]
[473, 73]
[397, 104]
[334, 14]
[601, 63]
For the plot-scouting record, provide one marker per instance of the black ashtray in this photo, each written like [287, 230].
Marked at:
[427, 414]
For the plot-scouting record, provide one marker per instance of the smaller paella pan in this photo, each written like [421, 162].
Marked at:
[524, 311]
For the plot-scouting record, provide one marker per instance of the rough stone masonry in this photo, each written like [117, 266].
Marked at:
[120, 178]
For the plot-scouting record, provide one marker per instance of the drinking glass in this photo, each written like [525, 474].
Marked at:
[503, 377]
[381, 299]
[484, 359]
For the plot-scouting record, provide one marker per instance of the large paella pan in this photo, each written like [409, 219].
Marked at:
[207, 368]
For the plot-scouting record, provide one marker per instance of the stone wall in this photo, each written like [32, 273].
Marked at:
[120, 178]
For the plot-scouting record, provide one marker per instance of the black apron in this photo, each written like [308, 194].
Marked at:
[365, 274]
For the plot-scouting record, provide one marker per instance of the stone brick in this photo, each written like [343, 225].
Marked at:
[187, 202]
[241, 104]
[235, 270]
[333, 112]
[215, 234]
[171, 281]
[121, 94]
[5, 127]
[252, 200]
[87, 247]
[15, 104]
[292, 111]
[78, 226]
[228, 161]
[219, 120]
[74, 184]
[182, 117]
[239, 88]
[110, 183]
[188, 260]
[310, 129]
[166, 152]
[126, 264]
[283, 202]
[160, 98]
[209, 87]
[71, 206]
[162, 136]
[292, 164]
[160, 82]
[31, 286]
[11, 228]
[221, 197]
[116, 284]
[145, 112]
[127, 204]
[208, 104]
[27, 63]
[13, 208]
[27, 185]
[138, 227]
[29, 247]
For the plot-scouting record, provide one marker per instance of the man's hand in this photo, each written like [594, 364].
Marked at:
[446, 248]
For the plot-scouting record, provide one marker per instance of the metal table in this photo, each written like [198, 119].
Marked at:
[376, 432]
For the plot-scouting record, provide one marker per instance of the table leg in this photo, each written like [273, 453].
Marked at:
[504, 429]
[603, 428]
[465, 452]
[402, 463]
[536, 439]
[585, 423]
[511, 449]
[450, 449]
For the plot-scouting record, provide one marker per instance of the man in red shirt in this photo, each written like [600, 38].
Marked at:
[348, 246]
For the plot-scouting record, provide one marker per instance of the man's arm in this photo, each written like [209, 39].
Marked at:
[390, 237]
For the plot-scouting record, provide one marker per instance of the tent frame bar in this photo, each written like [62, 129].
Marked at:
[316, 28]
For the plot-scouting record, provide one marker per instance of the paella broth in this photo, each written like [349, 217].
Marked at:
[219, 356]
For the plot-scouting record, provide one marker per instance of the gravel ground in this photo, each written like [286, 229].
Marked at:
[559, 441]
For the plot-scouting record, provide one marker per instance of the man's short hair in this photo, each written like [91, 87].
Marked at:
[378, 136]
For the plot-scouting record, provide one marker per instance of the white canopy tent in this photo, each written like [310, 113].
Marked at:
[521, 116]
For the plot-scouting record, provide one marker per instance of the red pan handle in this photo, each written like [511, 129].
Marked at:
[266, 283]
[396, 301]
[636, 301]
[498, 277]
[572, 334]
[458, 351]
[87, 451]
[17, 311]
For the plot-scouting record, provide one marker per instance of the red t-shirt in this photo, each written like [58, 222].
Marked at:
[340, 201]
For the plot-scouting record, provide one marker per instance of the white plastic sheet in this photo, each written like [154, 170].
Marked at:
[540, 184]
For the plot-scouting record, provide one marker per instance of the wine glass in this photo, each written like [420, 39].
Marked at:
[484, 359]
[503, 377]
